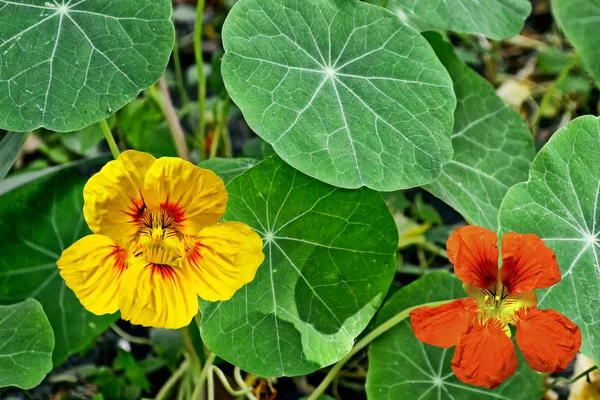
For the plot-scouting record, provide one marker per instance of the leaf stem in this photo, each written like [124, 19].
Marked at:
[166, 105]
[550, 92]
[203, 376]
[114, 149]
[567, 381]
[201, 77]
[375, 333]
[129, 337]
[164, 391]
[220, 126]
[179, 74]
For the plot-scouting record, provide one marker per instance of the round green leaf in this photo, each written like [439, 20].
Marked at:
[493, 148]
[402, 367]
[228, 168]
[329, 260]
[67, 64]
[41, 218]
[560, 203]
[344, 91]
[579, 20]
[27, 343]
[496, 19]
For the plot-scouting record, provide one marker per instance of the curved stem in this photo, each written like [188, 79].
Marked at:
[203, 375]
[220, 126]
[130, 338]
[569, 381]
[375, 333]
[201, 77]
[114, 149]
[164, 391]
[175, 128]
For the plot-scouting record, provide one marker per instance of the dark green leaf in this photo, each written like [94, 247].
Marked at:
[10, 147]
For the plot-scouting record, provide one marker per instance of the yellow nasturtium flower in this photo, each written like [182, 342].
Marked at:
[157, 242]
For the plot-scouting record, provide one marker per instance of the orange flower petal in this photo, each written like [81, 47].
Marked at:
[442, 326]
[527, 263]
[474, 252]
[548, 340]
[485, 356]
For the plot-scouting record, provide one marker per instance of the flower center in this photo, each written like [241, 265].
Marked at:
[158, 238]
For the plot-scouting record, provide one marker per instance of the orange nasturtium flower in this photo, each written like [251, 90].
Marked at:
[478, 325]
[157, 242]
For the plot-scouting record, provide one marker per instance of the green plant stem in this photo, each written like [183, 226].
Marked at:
[130, 338]
[550, 92]
[220, 126]
[375, 333]
[567, 381]
[114, 149]
[244, 391]
[201, 77]
[166, 105]
[438, 251]
[179, 74]
[203, 376]
[164, 391]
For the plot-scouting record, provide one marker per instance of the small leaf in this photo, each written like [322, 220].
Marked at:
[402, 367]
[493, 148]
[330, 255]
[560, 203]
[228, 168]
[41, 217]
[27, 343]
[64, 67]
[133, 371]
[168, 344]
[343, 90]
[10, 147]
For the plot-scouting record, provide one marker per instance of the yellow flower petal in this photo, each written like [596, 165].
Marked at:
[223, 258]
[92, 267]
[157, 295]
[113, 197]
[196, 196]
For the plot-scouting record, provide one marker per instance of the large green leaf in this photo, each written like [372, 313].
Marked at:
[40, 218]
[496, 19]
[10, 146]
[27, 343]
[68, 64]
[344, 91]
[329, 260]
[493, 148]
[228, 168]
[560, 203]
[579, 20]
[402, 367]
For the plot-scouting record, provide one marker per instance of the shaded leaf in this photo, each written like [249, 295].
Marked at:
[10, 146]
[228, 168]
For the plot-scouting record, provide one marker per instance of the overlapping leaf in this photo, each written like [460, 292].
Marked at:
[493, 148]
[65, 65]
[329, 260]
[39, 219]
[579, 20]
[228, 168]
[27, 343]
[402, 367]
[561, 204]
[343, 90]
[10, 146]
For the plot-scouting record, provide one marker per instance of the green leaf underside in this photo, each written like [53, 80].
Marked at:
[579, 20]
[27, 343]
[10, 147]
[344, 91]
[496, 19]
[41, 218]
[560, 203]
[402, 367]
[329, 260]
[228, 168]
[493, 147]
[64, 67]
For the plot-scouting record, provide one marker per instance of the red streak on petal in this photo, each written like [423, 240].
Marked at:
[119, 256]
[165, 271]
[176, 210]
[137, 208]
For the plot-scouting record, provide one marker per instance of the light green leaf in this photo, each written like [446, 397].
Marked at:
[493, 147]
[579, 20]
[344, 91]
[330, 255]
[65, 65]
[560, 203]
[228, 168]
[496, 19]
[27, 343]
[41, 218]
[10, 146]
[402, 367]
